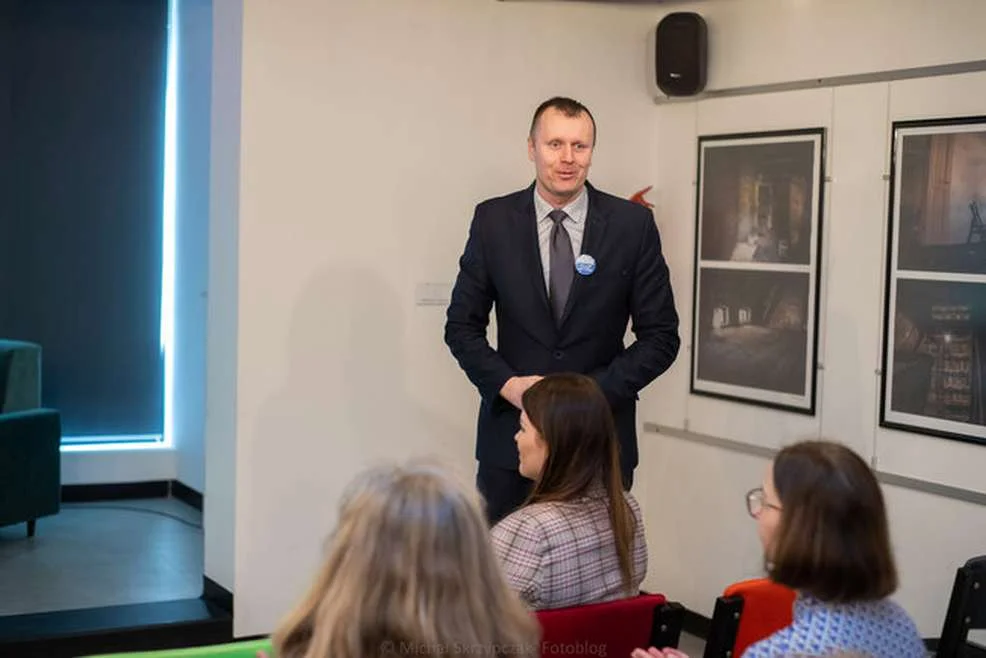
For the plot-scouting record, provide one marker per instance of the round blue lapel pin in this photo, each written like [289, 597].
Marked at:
[585, 264]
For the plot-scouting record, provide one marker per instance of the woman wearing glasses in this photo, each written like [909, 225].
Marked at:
[823, 525]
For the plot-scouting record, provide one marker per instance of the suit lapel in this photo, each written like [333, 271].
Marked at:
[525, 225]
[592, 237]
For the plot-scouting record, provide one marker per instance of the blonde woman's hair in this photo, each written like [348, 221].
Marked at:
[410, 570]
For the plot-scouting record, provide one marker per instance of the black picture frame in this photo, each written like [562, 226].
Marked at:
[756, 279]
[934, 310]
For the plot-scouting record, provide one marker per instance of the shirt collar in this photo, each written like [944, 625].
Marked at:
[804, 603]
[576, 209]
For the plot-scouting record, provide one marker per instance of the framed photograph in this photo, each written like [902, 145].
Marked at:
[934, 341]
[757, 248]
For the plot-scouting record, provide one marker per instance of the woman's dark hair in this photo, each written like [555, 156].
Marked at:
[574, 419]
[833, 541]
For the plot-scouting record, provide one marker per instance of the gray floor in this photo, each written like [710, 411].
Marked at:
[691, 645]
[99, 554]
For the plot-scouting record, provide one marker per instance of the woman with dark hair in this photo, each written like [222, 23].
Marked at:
[823, 525]
[579, 538]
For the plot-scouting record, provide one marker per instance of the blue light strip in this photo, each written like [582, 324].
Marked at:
[168, 255]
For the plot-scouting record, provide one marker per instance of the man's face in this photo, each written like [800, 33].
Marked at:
[561, 150]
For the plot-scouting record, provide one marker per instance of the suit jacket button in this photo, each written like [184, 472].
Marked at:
[559, 354]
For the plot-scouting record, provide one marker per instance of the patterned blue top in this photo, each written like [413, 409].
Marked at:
[881, 629]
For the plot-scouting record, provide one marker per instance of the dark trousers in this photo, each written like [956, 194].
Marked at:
[505, 489]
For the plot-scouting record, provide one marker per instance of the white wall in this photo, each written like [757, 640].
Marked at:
[369, 131]
[219, 506]
[756, 42]
[114, 466]
[753, 42]
[192, 238]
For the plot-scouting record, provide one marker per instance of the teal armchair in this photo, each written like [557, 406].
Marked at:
[20, 376]
[30, 440]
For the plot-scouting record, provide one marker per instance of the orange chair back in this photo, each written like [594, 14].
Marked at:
[767, 608]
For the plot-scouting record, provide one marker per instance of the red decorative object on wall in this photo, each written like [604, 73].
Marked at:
[639, 197]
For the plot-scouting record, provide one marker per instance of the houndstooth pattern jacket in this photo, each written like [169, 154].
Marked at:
[560, 554]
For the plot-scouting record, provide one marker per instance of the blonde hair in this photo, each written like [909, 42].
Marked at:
[410, 570]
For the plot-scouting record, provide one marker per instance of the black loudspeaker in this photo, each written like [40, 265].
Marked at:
[680, 54]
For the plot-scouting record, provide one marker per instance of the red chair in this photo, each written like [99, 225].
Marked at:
[610, 630]
[747, 612]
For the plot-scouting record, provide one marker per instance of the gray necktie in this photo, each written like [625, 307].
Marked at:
[561, 265]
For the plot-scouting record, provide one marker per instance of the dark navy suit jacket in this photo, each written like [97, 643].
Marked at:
[501, 267]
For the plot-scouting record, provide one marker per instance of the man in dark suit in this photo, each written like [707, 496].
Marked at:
[567, 267]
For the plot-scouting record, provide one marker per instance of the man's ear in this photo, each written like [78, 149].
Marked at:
[530, 149]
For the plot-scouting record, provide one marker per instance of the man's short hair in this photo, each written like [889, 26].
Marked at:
[567, 106]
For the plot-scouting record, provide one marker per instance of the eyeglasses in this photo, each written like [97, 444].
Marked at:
[755, 502]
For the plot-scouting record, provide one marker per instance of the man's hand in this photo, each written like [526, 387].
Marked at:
[515, 387]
